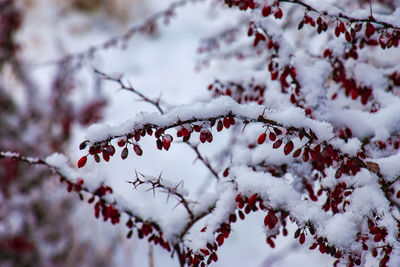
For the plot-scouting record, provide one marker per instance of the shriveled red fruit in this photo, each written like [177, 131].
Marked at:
[259, 37]
[261, 138]
[252, 200]
[322, 248]
[124, 153]
[278, 14]
[106, 156]
[297, 153]
[313, 246]
[241, 215]
[342, 27]
[302, 238]
[314, 154]
[197, 128]
[82, 162]
[297, 233]
[226, 172]
[271, 220]
[277, 144]
[185, 132]
[338, 173]
[337, 31]
[166, 141]
[209, 137]
[347, 36]
[306, 156]
[159, 144]
[370, 30]
[220, 240]
[266, 11]
[137, 150]
[270, 242]
[203, 136]
[82, 145]
[121, 143]
[214, 257]
[226, 122]
[129, 235]
[220, 126]
[288, 147]
[272, 136]
[110, 150]
[277, 131]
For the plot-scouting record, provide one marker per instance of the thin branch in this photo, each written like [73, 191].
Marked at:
[155, 103]
[157, 182]
[203, 159]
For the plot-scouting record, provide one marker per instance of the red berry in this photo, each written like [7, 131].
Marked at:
[226, 172]
[297, 153]
[342, 27]
[378, 237]
[348, 36]
[121, 143]
[337, 31]
[185, 132]
[159, 144]
[226, 123]
[209, 137]
[220, 126]
[266, 11]
[272, 136]
[288, 147]
[306, 156]
[106, 156]
[203, 136]
[252, 200]
[261, 138]
[82, 162]
[278, 14]
[82, 145]
[302, 238]
[124, 153]
[277, 131]
[277, 144]
[370, 30]
[137, 150]
[166, 141]
[270, 242]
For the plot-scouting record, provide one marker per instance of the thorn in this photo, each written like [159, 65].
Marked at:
[244, 127]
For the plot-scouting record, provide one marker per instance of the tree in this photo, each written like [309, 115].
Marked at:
[310, 123]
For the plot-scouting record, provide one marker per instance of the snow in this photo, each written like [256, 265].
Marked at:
[389, 166]
[351, 147]
[220, 107]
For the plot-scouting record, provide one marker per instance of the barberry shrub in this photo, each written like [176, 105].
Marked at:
[310, 128]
